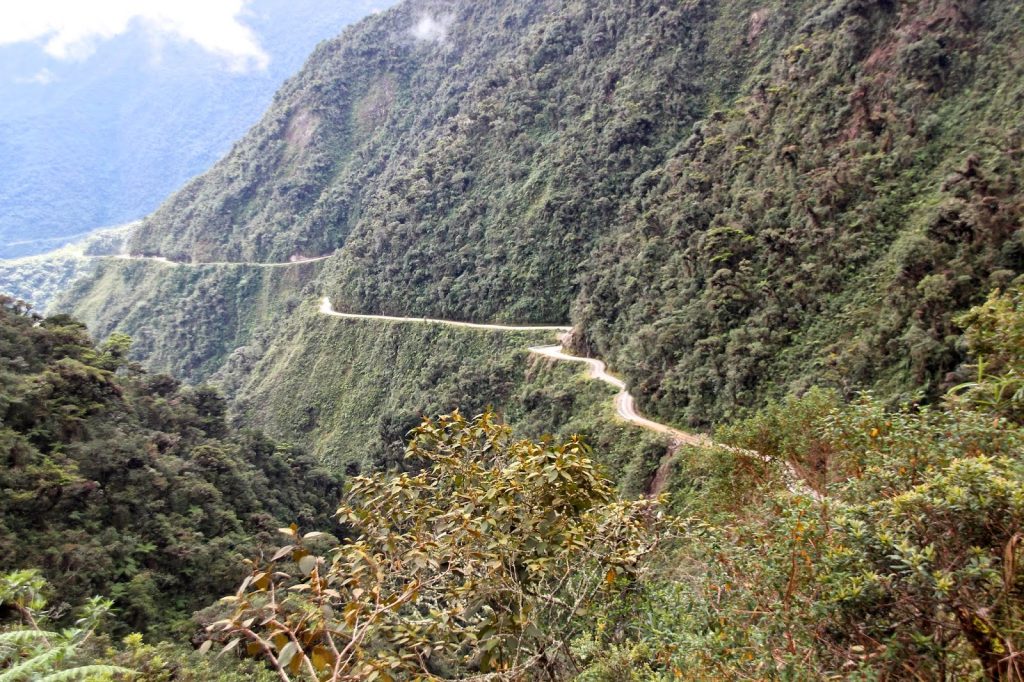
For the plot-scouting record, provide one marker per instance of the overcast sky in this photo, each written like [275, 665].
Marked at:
[71, 29]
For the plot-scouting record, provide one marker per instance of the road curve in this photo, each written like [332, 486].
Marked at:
[625, 406]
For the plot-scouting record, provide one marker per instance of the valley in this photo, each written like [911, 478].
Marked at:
[601, 341]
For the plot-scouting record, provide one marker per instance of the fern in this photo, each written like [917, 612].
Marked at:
[87, 672]
[42, 661]
[21, 638]
[18, 637]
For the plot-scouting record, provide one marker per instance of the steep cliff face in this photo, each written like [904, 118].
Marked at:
[729, 199]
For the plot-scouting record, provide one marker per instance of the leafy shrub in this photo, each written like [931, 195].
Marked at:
[491, 559]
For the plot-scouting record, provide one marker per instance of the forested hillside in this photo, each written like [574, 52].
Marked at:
[824, 226]
[730, 200]
[481, 555]
[130, 485]
[798, 224]
[357, 387]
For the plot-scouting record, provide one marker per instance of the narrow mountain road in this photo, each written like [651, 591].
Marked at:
[171, 263]
[625, 408]
[625, 405]
[327, 309]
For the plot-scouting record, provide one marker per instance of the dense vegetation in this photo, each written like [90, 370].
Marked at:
[191, 321]
[799, 222]
[354, 396]
[483, 555]
[908, 567]
[824, 227]
[730, 200]
[508, 547]
[129, 485]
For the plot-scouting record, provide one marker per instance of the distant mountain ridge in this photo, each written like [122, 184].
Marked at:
[101, 141]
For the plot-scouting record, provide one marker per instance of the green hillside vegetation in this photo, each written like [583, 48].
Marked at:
[797, 225]
[350, 390]
[127, 484]
[729, 200]
[190, 321]
[908, 568]
[824, 227]
[488, 555]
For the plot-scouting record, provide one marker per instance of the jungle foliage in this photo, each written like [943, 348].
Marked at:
[125, 484]
[483, 556]
[42, 643]
[909, 566]
[373, 381]
[771, 216]
[487, 559]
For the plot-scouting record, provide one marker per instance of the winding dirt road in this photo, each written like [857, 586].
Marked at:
[166, 261]
[625, 405]
[625, 408]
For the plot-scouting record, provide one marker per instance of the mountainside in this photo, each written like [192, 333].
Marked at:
[798, 223]
[101, 140]
[730, 200]
[351, 390]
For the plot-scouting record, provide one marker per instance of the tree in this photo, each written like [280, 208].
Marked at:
[485, 563]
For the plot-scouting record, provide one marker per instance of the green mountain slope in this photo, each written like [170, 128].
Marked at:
[822, 227]
[730, 200]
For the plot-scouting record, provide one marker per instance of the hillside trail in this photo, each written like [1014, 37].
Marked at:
[172, 263]
[625, 405]
[327, 309]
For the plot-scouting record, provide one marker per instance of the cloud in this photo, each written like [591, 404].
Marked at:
[41, 77]
[429, 29]
[71, 29]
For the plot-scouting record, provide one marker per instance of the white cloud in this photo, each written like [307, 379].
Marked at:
[430, 29]
[41, 77]
[70, 29]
